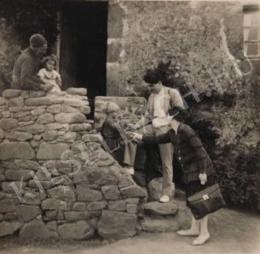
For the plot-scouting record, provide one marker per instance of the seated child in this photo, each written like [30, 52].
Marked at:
[114, 136]
[49, 75]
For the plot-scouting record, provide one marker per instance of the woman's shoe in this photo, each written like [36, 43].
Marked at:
[188, 232]
[200, 240]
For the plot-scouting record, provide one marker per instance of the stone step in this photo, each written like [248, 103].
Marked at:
[167, 223]
[157, 208]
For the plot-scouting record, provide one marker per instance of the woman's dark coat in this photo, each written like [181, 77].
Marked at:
[189, 149]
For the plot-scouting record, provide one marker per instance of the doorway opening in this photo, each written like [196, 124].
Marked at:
[83, 47]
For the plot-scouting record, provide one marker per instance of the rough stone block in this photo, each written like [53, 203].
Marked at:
[9, 228]
[79, 206]
[86, 194]
[45, 118]
[32, 197]
[3, 101]
[26, 123]
[27, 213]
[36, 94]
[36, 229]
[68, 109]
[79, 230]
[50, 135]
[11, 93]
[133, 191]
[113, 50]
[40, 185]
[16, 150]
[2, 177]
[61, 180]
[115, 21]
[18, 175]
[12, 186]
[76, 215]
[54, 109]
[68, 137]
[57, 126]
[27, 164]
[77, 91]
[22, 114]
[111, 192]
[19, 136]
[157, 208]
[75, 102]
[51, 151]
[97, 205]
[131, 208]
[10, 216]
[62, 192]
[33, 129]
[38, 111]
[16, 102]
[54, 204]
[2, 134]
[75, 117]
[119, 205]
[132, 201]
[80, 127]
[101, 176]
[8, 124]
[117, 225]
[43, 101]
[7, 205]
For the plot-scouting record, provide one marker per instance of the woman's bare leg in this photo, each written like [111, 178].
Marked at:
[204, 233]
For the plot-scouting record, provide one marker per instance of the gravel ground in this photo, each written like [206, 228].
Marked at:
[232, 232]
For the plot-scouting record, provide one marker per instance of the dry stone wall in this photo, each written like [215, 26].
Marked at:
[56, 181]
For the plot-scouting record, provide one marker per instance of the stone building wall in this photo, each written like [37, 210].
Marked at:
[56, 181]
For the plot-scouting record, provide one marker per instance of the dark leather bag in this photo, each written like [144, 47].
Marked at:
[206, 201]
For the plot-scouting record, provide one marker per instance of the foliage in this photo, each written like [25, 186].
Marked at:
[19, 19]
[31, 16]
[239, 176]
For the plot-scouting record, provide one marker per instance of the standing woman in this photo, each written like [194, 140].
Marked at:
[197, 168]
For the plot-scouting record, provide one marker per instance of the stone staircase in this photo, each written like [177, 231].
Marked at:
[165, 217]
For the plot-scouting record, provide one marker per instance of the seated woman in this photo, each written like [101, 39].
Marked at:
[115, 138]
[196, 165]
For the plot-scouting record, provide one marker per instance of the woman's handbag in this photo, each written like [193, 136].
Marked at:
[206, 201]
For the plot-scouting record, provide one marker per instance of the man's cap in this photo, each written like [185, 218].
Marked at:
[37, 40]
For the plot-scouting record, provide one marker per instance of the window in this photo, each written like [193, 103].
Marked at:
[251, 31]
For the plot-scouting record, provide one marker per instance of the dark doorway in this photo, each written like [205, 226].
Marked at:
[84, 46]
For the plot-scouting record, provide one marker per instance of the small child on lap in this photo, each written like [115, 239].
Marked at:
[49, 75]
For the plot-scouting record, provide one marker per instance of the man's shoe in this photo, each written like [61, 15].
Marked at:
[164, 199]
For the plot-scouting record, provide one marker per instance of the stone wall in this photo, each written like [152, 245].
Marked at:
[131, 109]
[56, 181]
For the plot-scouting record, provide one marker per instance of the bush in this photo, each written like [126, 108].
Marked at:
[239, 176]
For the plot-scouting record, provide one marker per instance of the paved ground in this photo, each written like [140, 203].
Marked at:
[232, 232]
